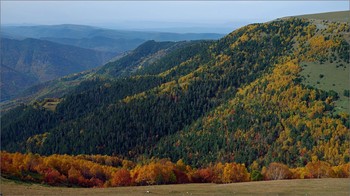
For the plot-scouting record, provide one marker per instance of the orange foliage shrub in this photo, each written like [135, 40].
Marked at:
[319, 169]
[71, 170]
[154, 173]
[53, 177]
[203, 175]
[121, 178]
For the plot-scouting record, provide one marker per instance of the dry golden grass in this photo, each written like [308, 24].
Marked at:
[317, 187]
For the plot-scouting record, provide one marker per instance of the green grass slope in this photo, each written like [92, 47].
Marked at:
[341, 16]
[329, 77]
[330, 73]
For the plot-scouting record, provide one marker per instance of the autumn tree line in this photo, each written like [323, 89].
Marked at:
[223, 101]
[111, 171]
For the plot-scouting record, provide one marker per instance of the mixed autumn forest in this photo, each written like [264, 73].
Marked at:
[241, 108]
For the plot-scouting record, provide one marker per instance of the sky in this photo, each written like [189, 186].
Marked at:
[158, 14]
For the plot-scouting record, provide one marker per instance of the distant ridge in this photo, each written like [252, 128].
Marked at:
[30, 61]
[339, 16]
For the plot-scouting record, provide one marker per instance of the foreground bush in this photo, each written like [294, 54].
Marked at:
[105, 171]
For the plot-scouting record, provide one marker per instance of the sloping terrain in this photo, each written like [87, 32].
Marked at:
[329, 77]
[12, 80]
[30, 61]
[285, 116]
[342, 16]
[99, 43]
[23, 45]
[241, 98]
[147, 57]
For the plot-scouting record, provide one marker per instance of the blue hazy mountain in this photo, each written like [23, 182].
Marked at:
[31, 61]
[97, 38]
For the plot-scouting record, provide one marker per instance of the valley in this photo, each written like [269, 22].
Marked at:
[31, 61]
[33, 55]
[269, 101]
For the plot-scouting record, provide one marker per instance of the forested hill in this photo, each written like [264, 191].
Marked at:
[241, 98]
[30, 61]
[149, 57]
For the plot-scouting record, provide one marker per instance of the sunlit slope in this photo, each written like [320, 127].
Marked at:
[241, 98]
[342, 16]
[285, 115]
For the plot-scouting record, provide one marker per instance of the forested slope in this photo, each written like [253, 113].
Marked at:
[240, 99]
[28, 62]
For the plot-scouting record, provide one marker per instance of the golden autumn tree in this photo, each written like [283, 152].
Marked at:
[155, 173]
[234, 172]
[342, 171]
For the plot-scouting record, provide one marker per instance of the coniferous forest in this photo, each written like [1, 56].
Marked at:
[232, 110]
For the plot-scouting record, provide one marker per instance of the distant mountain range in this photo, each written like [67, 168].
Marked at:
[35, 54]
[32, 61]
[98, 38]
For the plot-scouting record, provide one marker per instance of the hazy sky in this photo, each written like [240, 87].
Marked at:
[132, 12]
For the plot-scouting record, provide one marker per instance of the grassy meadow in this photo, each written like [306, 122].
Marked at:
[329, 76]
[319, 187]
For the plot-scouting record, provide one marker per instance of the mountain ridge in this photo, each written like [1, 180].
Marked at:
[95, 37]
[242, 95]
[43, 61]
[123, 66]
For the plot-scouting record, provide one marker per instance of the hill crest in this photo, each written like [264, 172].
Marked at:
[243, 95]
